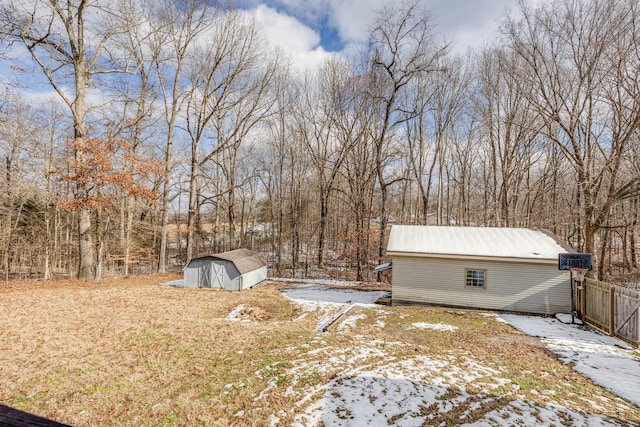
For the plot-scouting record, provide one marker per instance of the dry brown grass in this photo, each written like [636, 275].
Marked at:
[125, 353]
[128, 352]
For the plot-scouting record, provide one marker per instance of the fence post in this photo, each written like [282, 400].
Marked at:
[583, 300]
[612, 306]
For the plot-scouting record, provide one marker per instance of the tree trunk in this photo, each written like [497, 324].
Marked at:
[164, 220]
[589, 246]
[231, 215]
[127, 237]
[99, 245]
[632, 233]
[86, 261]
[384, 220]
[324, 211]
[168, 155]
[191, 215]
[602, 255]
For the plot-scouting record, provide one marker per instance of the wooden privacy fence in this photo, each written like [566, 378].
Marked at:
[612, 308]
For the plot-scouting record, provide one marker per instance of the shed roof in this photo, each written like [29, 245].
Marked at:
[497, 242]
[244, 260]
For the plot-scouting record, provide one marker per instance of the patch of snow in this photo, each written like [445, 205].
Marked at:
[322, 327]
[595, 405]
[607, 361]
[383, 343]
[318, 294]
[233, 315]
[324, 282]
[175, 283]
[566, 318]
[273, 420]
[395, 390]
[434, 326]
[301, 317]
[524, 413]
[330, 303]
[350, 322]
[361, 400]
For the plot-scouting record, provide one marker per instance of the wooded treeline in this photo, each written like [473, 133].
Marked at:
[177, 131]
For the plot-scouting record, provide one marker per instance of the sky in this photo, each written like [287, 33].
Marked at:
[312, 30]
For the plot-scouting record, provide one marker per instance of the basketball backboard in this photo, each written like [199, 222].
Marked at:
[568, 261]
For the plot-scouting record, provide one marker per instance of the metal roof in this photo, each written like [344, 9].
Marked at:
[498, 242]
[244, 260]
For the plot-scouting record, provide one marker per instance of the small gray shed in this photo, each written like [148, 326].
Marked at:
[513, 269]
[233, 271]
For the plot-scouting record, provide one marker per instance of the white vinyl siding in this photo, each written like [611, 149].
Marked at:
[230, 277]
[191, 274]
[252, 278]
[514, 286]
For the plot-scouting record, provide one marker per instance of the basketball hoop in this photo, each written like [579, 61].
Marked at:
[578, 274]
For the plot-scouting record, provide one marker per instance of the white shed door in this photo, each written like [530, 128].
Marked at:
[204, 275]
[218, 275]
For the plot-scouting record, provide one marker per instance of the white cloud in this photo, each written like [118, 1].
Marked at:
[305, 10]
[353, 18]
[298, 41]
[468, 23]
[285, 31]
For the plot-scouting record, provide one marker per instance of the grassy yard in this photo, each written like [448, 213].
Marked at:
[130, 352]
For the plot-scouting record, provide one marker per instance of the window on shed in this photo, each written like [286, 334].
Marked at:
[476, 278]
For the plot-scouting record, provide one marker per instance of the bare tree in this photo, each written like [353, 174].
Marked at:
[421, 161]
[50, 117]
[577, 61]
[273, 158]
[234, 126]
[177, 25]
[354, 126]
[140, 44]
[322, 128]
[464, 160]
[67, 51]
[402, 48]
[448, 99]
[511, 128]
[17, 125]
[229, 83]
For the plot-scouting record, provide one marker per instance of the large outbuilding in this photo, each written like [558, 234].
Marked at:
[512, 269]
[233, 271]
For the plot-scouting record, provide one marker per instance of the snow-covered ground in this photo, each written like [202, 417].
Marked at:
[607, 361]
[312, 296]
[375, 387]
[318, 282]
[178, 283]
[332, 303]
